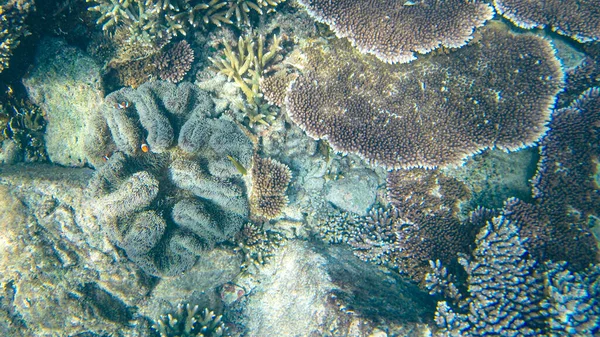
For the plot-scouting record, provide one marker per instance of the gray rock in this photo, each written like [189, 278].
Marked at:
[67, 85]
[355, 193]
[310, 290]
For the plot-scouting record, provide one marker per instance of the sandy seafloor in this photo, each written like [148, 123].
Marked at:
[329, 262]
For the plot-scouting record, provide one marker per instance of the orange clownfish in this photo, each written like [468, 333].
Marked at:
[145, 148]
[122, 105]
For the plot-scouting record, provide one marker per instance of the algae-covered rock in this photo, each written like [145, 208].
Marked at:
[355, 192]
[58, 275]
[67, 85]
[310, 290]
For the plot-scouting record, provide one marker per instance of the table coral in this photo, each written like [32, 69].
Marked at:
[566, 198]
[579, 20]
[169, 191]
[395, 30]
[428, 113]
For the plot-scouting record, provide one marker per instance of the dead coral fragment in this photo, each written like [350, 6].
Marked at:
[432, 112]
[579, 20]
[270, 180]
[395, 30]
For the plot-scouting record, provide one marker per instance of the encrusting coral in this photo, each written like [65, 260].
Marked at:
[270, 180]
[394, 30]
[428, 113]
[12, 27]
[188, 321]
[579, 20]
[169, 190]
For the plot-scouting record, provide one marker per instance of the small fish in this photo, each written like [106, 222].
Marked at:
[122, 105]
[238, 166]
[145, 148]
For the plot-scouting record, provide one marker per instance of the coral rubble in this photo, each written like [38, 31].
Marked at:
[394, 30]
[169, 191]
[431, 112]
[579, 20]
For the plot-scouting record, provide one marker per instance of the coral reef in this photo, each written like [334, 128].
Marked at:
[246, 67]
[174, 63]
[431, 112]
[421, 226]
[156, 18]
[534, 300]
[565, 192]
[579, 20]
[12, 27]
[393, 31]
[188, 321]
[270, 180]
[169, 191]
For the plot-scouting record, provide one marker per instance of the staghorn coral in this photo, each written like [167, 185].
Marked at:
[12, 27]
[157, 18]
[169, 192]
[270, 180]
[431, 112]
[394, 30]
[510, 295]
[246, 68]
[188, 321]
[579, 20]
[246, 65]
[174, 63]
[242, 9]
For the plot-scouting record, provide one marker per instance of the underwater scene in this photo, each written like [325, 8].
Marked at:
[257, 168]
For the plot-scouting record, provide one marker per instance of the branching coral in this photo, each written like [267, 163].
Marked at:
[246, 67]
[188, 321]
[270, 180]
[510, 295]
[175, 17]
[257, 244]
